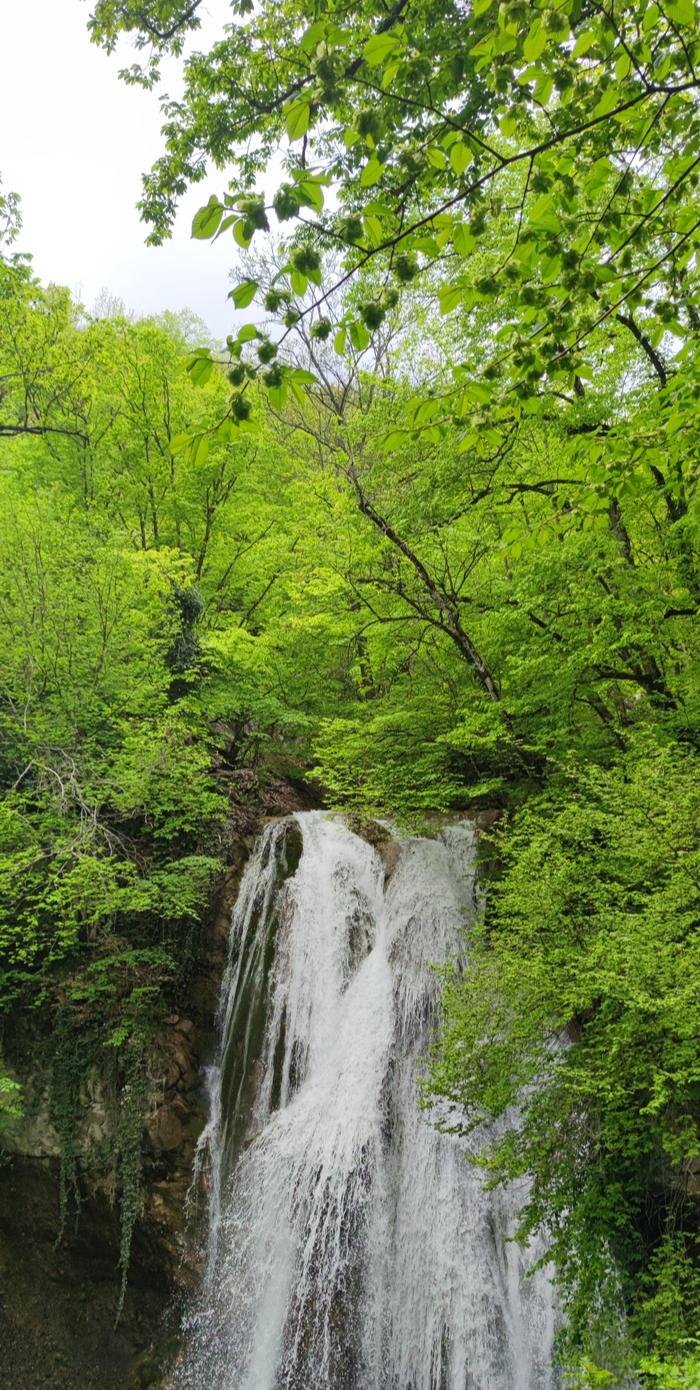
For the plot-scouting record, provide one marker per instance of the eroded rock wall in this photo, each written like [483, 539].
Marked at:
[58, 1298]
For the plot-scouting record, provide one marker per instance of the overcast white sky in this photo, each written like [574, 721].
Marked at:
[74, 141]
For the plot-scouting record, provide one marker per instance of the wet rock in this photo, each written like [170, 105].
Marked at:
[390, 852]
[58, 1301]
[33, 1133]
[62, 1298]
[165, 1129]
[190, 1080]
[485, 820]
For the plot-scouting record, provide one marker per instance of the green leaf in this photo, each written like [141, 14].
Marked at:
[451, 297]
[302, 376]
[340, 38]
[584, 41]
[535, 43]
[687, 220]
[227, 222]
[371, 173]
[243, 233]
[312, 194]
[462, 239]
[543, 89]
[484, 49]
[199, 451]
[426, 411]
[675, 422]
[608, 100]
[340, 340]
[460, 156]
[481, 6]
[244, 294]
[227, 430]
[313, 36]
[598, 174]
[505, 42]
[206, 222]
[278, 394]
[374, 229]
[300, 283]
[378, 48]
[393, 440]
[463, 406]
[296, 120]
[199, 369]
[550, 267]
[247, 333]
[681, 11]
[436, 157]
[529, 74]
[179, 442]
[359, 336]
[477, 391]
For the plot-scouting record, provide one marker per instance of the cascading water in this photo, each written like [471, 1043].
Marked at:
[351, 1245]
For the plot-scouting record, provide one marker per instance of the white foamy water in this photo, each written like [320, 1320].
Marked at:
[351, 1245]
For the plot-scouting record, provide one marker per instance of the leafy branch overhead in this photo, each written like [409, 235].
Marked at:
[547, 149]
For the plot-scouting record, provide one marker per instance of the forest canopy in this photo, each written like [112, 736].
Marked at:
[425, 526]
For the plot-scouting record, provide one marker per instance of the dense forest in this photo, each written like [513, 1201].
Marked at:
[424, 529]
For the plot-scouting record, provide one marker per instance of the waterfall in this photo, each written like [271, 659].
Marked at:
[351, 1245]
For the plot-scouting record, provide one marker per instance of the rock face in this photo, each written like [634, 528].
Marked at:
[58, 1300]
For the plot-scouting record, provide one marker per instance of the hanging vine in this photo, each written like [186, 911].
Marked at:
[73, 1053]
[130, 1146]
[76, 1050]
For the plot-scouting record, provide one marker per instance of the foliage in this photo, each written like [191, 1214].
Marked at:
[130, 1156]
[10, 1100]
[579, 1006]
[73, 1055]
[671, 1375]
[78, 1057]
[429, 523]
[389, 759]
[546, 147]
[10, 218]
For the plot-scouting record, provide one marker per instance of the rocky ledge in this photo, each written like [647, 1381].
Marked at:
[58, 1297]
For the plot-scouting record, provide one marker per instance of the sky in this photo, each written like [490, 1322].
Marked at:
[74, 141]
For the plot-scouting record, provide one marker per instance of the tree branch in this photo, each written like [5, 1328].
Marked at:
[452, 625]
[651, 353]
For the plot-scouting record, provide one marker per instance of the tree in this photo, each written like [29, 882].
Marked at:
[550, 148]
[577, 1004]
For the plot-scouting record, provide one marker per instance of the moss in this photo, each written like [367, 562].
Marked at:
[77, 1049]
[130, 1144]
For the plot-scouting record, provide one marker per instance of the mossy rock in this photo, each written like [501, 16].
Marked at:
[151, 1370]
